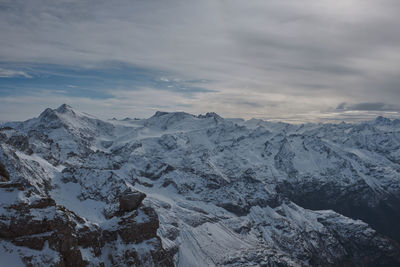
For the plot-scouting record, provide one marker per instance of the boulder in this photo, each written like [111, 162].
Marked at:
[130, 200]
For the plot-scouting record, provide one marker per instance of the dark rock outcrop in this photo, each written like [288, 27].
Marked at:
[130, 200]
[65, 233]
[21, 143]
[4, 175]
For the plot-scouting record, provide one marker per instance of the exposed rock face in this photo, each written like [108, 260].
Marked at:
[178, 189]
[21, 143]
[54, 230]
[4, 175]
[42, 224]
[130, 200]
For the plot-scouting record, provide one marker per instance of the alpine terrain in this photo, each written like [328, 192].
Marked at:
[182, 190]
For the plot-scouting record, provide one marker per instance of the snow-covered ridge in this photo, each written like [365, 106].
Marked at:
[226, 191]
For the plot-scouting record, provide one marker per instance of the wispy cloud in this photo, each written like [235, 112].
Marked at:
[7, 73]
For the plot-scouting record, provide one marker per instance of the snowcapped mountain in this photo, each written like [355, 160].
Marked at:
[185, 190]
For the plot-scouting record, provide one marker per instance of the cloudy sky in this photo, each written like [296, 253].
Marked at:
[308, 60]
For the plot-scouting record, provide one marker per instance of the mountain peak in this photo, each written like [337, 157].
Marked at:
[176, 114]
[160, 113]
[53, 114]
[382, 120]
[64, 108]
[210, 115]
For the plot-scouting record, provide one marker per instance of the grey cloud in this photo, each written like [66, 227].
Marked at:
[341, 106]
[254, 104]
[346, 51]
[368, 106]
[312, 86]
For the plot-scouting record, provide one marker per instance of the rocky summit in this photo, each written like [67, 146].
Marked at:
[183, 190]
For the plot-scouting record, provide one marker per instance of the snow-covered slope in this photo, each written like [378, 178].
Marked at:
[217, 191]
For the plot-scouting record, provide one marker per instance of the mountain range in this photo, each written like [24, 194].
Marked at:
[178, 189]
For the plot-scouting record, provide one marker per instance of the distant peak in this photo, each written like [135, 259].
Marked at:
[160, 113]
[53, 114]
[64, 108]
[210, 115]
[176, 114]
[382, 120]
[47, 112]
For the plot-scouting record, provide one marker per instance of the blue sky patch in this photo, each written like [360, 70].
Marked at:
[97, 82]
